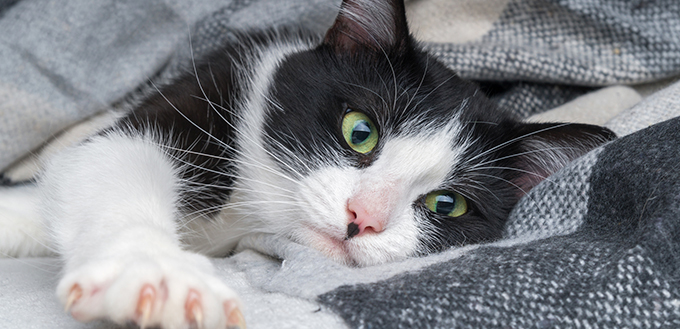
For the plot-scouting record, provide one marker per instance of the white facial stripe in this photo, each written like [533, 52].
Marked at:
[406, 168]
[323, 221]
[259, 177]
[415, 161]
[325, 193]
[253, 111]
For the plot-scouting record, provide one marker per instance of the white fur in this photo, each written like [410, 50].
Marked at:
[313, 209]
[111, 204]
[23, 233]
[109, 183]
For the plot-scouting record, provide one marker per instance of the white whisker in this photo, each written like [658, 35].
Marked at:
[506, 143]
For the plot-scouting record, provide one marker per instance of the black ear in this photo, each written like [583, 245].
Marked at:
[544, 148]
[373, 24]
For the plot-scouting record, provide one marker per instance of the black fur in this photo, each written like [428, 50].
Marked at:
[201, 101]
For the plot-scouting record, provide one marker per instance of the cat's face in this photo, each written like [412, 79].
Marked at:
[384, 153]
[378, 148]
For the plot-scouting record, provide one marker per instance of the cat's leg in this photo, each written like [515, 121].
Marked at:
[112, 207]
[22, 233]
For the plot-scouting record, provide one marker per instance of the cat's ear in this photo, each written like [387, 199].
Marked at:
[372, 24]
[544, 148]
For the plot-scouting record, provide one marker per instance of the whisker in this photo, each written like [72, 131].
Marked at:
[240, 189]
[22, 261]
[228, 175]
[434, 89]
[518, 170]
[506, 143]
[289, 152]
[258, 144]
[521, 154]
[479, 186]
[212, 105]
[509, 182]
[235, 160]
[422, 79]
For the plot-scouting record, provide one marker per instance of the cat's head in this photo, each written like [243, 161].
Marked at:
[380, 152]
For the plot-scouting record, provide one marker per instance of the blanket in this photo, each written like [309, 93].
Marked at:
[596, 245]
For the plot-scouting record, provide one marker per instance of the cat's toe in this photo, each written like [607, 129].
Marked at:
[82, 294]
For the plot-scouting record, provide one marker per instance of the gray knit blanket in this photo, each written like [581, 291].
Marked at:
[597, 245]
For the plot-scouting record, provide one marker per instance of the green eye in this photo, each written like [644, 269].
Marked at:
[446, 203]
[359, 131]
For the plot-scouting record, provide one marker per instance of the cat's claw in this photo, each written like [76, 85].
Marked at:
[193, 308]
[147, 295]
[73, 296]
[235, 319]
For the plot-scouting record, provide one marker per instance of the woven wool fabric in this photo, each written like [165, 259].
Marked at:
[574, 41]
[71, 59]
[65, 60]
[656, 108]
[594, 246]
[571, 43]
[557, 206]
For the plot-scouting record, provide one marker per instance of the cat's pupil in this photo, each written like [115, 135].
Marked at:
[445, 204]
[361, 131]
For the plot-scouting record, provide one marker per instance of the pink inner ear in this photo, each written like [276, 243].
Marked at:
[371, 23]
[526, 181]
[545, 148]
[346, 35]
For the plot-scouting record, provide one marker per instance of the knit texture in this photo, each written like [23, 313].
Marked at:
[66, 60]
[571, 43]
[593, 246]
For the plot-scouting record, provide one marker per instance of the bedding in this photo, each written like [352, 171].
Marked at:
[596, 245]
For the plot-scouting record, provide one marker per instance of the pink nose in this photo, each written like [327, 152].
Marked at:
[362, 221]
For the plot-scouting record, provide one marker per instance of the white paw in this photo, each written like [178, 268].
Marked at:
[174, 290]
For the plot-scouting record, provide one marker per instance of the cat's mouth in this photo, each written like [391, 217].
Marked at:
[352, 251]
[335, 247]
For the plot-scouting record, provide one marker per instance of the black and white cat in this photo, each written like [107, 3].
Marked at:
[358, 144]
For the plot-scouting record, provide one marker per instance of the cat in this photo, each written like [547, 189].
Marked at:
[357, 143]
